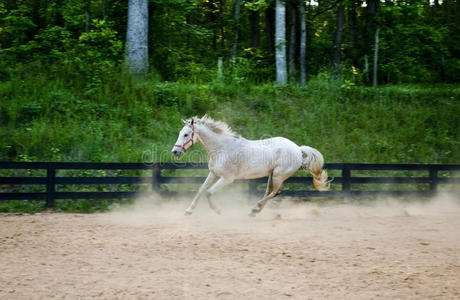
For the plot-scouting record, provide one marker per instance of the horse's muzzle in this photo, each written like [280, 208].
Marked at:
[176, 152]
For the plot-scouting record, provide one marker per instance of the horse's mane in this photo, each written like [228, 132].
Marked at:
[218, 127]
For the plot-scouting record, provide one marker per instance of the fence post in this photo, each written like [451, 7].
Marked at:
[346, 182]
[156, 174]
[433, 180]
[50, 186]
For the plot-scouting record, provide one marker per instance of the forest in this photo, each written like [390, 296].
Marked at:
[110, 80]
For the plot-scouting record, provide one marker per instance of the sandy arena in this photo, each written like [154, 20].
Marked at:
[296, 251]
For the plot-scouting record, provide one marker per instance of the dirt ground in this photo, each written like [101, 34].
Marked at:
[295, 251]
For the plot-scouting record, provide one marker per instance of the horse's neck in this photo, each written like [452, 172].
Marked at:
[211, 141]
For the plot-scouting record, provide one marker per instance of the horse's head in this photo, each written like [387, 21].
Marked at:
[186, 138]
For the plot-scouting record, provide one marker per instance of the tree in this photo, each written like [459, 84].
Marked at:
[376, 57]
[303, 43]
[137, 37]
[336, 56]
[254, 23]
[221, 24]
[292, 40]
[352, 20]
[234, 49]
[280, 42]
[270, 28]
[87, 15]
[372, 6]
[104, 9]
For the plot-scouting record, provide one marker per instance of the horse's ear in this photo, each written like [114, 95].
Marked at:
[192, 122]
[184, 122]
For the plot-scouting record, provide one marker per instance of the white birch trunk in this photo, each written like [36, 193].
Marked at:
[280, 42]
[137, 37]
[303, 43]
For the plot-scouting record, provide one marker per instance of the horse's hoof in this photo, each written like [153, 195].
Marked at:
[252, 214]
[188, 212]
[217, 211]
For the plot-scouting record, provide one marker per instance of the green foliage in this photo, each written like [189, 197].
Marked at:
[18, 24]
[51, 44]
[256, 5]
[452, 67]
[96, 54]
[21, 206]
[410, 48]
[419, 41]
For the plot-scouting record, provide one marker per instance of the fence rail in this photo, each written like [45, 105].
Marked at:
[342, 186]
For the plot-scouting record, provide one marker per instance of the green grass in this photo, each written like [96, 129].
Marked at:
[51, 120]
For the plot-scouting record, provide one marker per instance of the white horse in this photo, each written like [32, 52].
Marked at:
[234, 157]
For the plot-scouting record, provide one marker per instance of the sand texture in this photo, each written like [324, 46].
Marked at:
[302, 251]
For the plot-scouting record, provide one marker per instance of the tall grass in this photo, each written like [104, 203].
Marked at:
[45, 118]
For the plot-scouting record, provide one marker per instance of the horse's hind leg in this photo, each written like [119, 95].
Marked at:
[269, 185]
[276, 184]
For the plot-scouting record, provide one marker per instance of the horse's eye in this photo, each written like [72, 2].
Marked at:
[186, 135]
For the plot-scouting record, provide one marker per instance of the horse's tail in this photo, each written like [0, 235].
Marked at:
[313, 161]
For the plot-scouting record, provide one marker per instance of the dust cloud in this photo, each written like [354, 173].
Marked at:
[281, 215]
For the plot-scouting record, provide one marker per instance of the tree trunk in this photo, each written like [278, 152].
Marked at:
[376, 56]
[234, 50]
[137, 37]
[270, 28]
[59, 17]
[352, 32]
[336, 67]
[442, 69]
[366, 68]
[303, 43]
[187, 35]
[372, 6]
[104, 8]
[255, 28]
[87, 15]
[212, 18]
[221, 25]
[280, 42]
[292, 41]
[219, 67]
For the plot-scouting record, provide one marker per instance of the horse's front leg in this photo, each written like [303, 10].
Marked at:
[210, 180]
[217, 186]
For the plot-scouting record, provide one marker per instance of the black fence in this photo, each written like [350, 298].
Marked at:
[354, 180]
